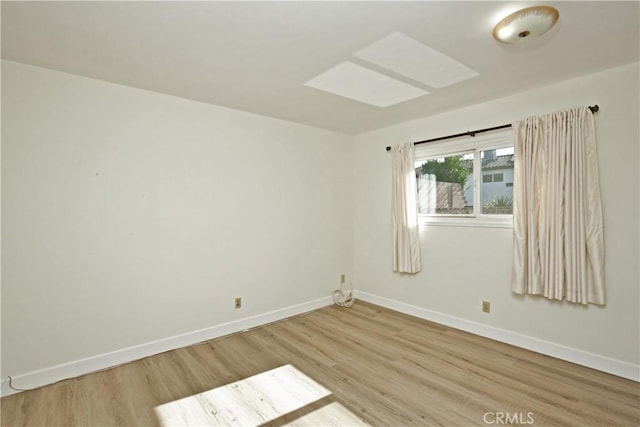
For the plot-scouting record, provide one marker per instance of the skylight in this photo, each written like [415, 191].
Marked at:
[352, 81]
[408, 57]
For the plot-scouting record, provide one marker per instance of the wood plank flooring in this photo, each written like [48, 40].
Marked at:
[386, 368]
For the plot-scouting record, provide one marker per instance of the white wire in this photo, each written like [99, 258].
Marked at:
[15, 388]
[342, 299]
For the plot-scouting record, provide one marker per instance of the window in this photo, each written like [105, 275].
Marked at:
[447, 173]
[497, 199]
[442, 184]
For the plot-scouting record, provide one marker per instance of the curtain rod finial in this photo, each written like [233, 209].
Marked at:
[388, 148]
[594, 108]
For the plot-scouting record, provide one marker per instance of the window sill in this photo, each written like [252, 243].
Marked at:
[483, 221]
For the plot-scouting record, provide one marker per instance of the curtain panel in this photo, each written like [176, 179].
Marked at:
[406, 241]
[557, 209]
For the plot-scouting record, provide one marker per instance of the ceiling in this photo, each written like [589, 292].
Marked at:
[257, 56]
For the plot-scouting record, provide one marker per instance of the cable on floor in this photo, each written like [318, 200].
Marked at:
[343, 299]
[14, 388]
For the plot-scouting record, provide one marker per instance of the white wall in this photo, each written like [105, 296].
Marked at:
[462, 266]
[131, 216]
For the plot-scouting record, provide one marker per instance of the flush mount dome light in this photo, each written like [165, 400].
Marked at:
[525, 24]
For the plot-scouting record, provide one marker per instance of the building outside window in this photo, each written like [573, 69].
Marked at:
[447, 173]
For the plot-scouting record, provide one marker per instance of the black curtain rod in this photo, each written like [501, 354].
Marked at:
[593, 108]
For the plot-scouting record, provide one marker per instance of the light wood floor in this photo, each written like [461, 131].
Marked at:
[387, 368]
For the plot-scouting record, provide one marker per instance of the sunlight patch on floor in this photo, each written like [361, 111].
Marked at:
[332, 414]
[257, 400]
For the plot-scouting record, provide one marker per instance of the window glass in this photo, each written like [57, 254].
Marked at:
[497, 198]
[445, 186]
[466, 182]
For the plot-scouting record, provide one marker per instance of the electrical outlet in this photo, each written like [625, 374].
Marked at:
[486, 306]
[238, 302]
[343, 278]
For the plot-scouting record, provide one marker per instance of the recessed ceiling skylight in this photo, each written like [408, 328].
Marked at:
[408, 57]
[362, 84]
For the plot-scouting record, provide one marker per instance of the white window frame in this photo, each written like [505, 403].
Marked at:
[488, 141]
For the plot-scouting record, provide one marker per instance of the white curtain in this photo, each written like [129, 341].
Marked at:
[406, 242]
[557, 211]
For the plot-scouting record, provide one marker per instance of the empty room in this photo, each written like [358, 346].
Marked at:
[320, 213]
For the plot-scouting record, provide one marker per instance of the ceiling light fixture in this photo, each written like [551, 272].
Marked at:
[527, 23]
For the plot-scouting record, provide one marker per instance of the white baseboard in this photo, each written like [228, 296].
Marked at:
[591, 360]
[84, 366]
[91, 364]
